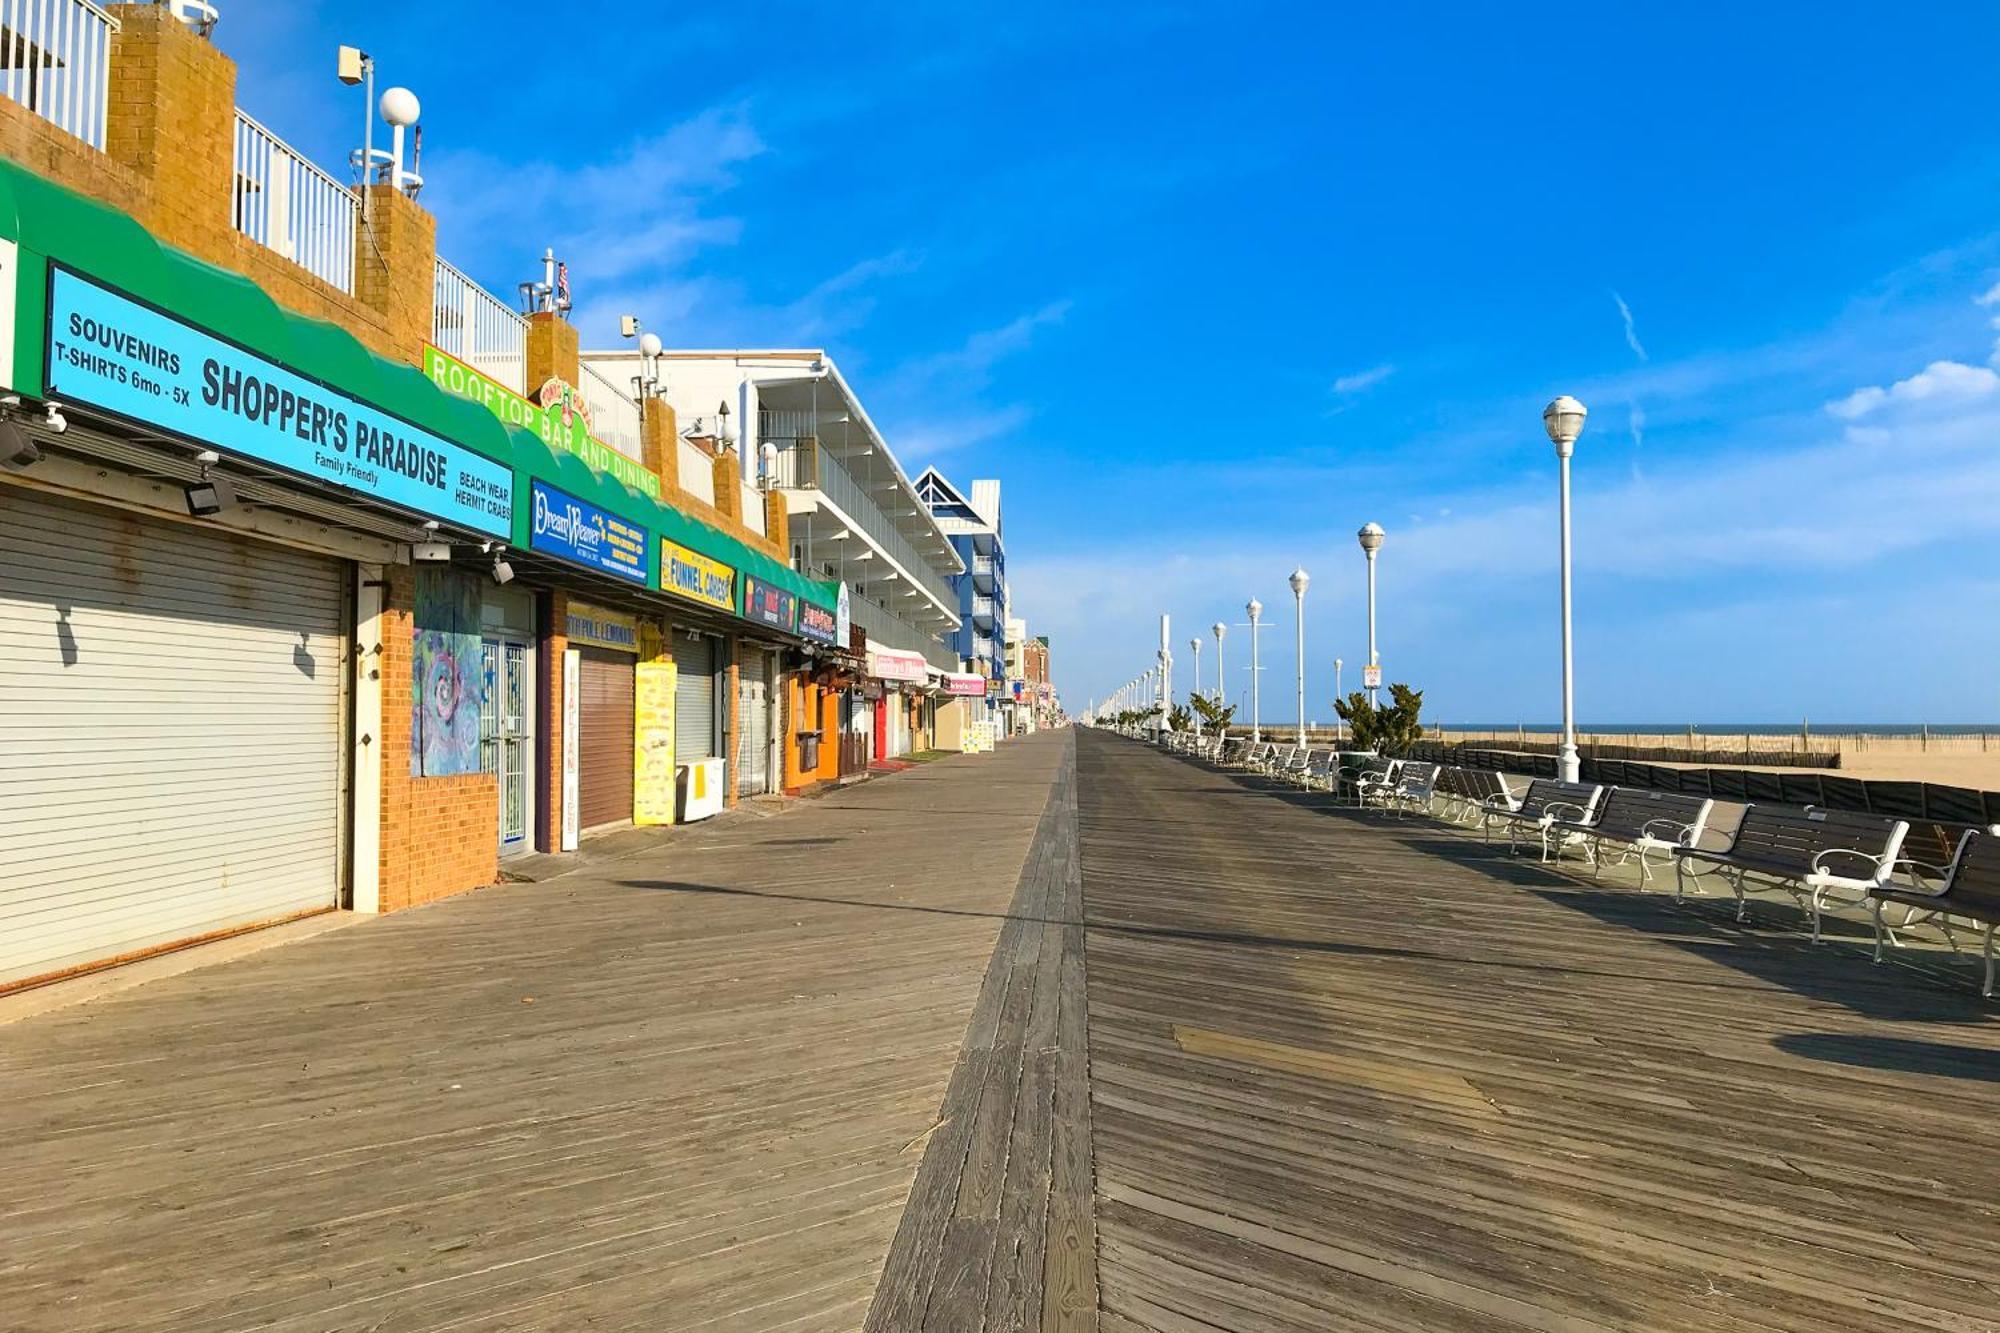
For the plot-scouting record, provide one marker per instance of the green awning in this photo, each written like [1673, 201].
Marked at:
[51, 222]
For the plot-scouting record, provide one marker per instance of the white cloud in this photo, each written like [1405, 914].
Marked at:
[1940, 385]
[1991, 296]
[1631, 328]
[1361, 380]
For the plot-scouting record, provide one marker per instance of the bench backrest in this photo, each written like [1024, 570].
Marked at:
[1418, 775]
[1790, 837]
[1628, 811]
[1545, 792]
[1974, 882]
[1478, 784]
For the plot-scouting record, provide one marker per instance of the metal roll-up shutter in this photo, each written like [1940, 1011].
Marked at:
[604, 737]
[753, 722]
[171, 732]
[694, 700]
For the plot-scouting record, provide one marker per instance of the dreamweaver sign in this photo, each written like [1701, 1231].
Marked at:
[696, 576]
[567, 430]
[109, 351]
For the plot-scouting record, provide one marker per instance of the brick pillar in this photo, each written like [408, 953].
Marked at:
[554, 350]
[395, 268]
[659, 441]
[554, 647]
[778, 523]
[172, 120]
[730, 748]
[729, 486]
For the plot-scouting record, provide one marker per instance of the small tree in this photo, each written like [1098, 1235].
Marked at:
[1179, 719]
[1391, 730]
[1215, 714]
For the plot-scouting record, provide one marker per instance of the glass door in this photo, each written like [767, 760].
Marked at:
[506, 730]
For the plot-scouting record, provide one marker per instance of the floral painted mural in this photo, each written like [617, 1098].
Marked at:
[445, 683]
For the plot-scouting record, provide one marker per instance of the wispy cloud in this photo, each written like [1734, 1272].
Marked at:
[1362, 380]
[1631, 328]
[938, 401]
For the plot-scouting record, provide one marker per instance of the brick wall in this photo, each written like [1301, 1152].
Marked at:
[439, 835]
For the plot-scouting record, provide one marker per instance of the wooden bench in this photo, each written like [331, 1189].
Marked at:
[1415, 787]
[1545, 801]
[1637, 822]
[1970, 891]
[1812, 854]
[1463, 792]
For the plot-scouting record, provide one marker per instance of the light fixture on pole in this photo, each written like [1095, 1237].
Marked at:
[1221, 680]
[1564, 419]
[1370, 537]
[1256, 609]
[1166, 677]
[1194, 646]
[1339, 729]
[1299, 581]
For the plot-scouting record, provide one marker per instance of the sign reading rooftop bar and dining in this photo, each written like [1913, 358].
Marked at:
[564, 525]
[109, 351]
[557, 420]
[697, 577]
[767, 605]
[818, 624]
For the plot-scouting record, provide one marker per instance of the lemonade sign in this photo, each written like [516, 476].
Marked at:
[561, 418]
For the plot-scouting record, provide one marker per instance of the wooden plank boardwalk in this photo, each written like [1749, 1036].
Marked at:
[686, 1089]
[1355, 1073]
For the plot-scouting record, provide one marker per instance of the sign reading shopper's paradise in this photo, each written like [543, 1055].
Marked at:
[653, 743]
[568, 431]
[767, 605]
[818, 624]
[564, 525]
[111, 352]
[895, 663]
[598, 628]
[962, 685]
[696, 576]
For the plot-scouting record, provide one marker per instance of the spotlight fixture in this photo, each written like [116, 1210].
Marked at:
[208, 458]
[16, 449]
[433, 553]
[503, 573]
[210, 496]
[56, 422]
[430, 525]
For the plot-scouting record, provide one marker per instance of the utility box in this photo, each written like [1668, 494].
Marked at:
[699, 787]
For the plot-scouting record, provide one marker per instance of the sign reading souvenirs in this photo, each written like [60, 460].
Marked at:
[560, 419]
[566, 526]
[111, 352]
[767, 605]
[818, 624]
[696, 576]
[599, 628]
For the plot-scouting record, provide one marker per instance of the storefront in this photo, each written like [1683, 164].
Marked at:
[759, 722]
[889, 670]
[507, 714]
[605, 645]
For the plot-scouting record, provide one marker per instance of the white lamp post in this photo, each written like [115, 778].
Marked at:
[1339, 728]
[1256, 609]
[1370, 536]
[1564, 419]
[1166, 677]
[1299, 580]
[1194, 646]
[1221, 679]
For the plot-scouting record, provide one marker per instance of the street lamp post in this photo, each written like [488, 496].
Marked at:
[1256, 609]
[1166, 678]
[1299, 580]
[1370, 536]
[1339, 728]
[1564, 419]
[1194, 646]
[1221, 680]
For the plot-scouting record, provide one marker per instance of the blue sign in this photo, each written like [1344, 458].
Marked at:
[818, 623]
[111, 352]
[767, 605]
[566, 526]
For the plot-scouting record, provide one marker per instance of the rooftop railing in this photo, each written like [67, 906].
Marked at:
[614, 417]
[286, 204]
[55, 60]
[479, 328]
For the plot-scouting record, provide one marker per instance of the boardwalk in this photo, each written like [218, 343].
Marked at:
[1356, 1074]
[1073, 1036]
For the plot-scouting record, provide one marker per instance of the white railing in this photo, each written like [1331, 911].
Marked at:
[697, 472]
[57, 62]
[479, 328]
[287, 204]
[614, 417]
[752, 501]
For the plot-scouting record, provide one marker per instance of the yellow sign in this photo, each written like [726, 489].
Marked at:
[599, 628]
[653, 743]
[697, 577]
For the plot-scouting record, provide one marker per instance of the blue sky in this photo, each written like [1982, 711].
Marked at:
[1209, 286]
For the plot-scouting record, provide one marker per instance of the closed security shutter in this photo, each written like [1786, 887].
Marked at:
[694, 700]
[170, 733]
[753, 722]
[604, 738]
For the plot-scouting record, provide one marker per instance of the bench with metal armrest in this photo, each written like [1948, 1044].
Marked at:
[1968, 889]
[1545, 801]
[1637, 822]
[1415, 787]
[1364, 778]
[1463, 792]
[1814, 855]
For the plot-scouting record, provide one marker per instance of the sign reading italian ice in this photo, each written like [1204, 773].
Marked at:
[566, 526]
[111, 352]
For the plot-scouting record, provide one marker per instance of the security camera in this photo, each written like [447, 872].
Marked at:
[57, 422]
[503, 573]
[16, 449]
[208, 458]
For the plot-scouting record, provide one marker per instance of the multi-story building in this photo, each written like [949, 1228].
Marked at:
[973, 525]
[789, 424]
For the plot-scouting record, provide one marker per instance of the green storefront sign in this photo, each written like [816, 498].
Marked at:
[462, 381]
